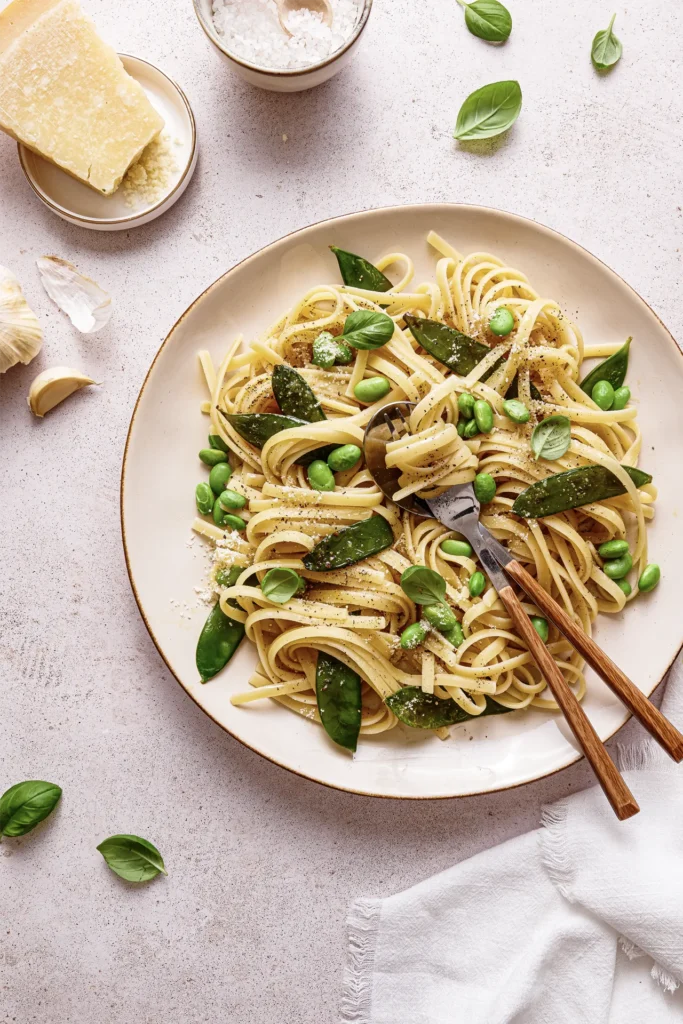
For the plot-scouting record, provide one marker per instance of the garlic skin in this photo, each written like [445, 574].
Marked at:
[20, 333]
[54, 385]
[87, 306]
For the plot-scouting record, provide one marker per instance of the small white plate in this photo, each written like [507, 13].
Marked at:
[75, 202]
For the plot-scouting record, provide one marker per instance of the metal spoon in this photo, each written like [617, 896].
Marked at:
[287, 7]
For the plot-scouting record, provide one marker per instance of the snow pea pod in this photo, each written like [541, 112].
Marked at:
[413, 706]
[452, 348]
[574, 488]
[359, 273]
[613, 370]
[218, 641]
[338, 692]
[294, 396]
[350, 545]
[258, 427]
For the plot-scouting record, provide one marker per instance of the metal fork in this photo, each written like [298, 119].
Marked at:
[458, 509]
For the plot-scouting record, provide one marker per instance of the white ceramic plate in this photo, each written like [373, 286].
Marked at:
[494, 753]
[78, 204]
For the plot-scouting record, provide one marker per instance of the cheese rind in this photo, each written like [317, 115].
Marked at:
[66, 95]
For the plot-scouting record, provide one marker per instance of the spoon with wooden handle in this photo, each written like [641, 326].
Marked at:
[287, 7]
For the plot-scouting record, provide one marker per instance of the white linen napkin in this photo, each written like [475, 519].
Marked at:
[559, 926]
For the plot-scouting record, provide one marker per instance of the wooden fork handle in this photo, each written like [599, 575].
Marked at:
[666, 734]
[616, 790]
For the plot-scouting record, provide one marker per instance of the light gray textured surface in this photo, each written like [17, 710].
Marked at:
[248, 927]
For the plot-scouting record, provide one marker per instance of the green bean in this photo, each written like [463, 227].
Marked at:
[477, 584]
[613, 549]
[219, 476]
[212, 456]
[541, 626]
[320, 476]
[456, 547]
[502, 321]
[484, 487]
[603, 394]
[516, 410]
[203, 496]
[649, 578]
[231, 500]
[440, 616]
[462, 426]
[372, 389]
[236, 522]
[471, 429]
[466, 405]
[344, 457]
[413, 636]
[455, 635]
[216, 441]
[483, 414]
[615, 568]
[621, 397]
[624, 585]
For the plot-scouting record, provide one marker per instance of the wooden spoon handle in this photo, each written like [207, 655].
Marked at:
[666, 734]
[616, 790]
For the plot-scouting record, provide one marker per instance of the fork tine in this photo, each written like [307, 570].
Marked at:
[390, 424]
[399, 413]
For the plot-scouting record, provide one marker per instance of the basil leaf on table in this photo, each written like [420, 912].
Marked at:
[423, 585]
[338, 692]
[25, 805]
[572, 489]
[279, 585]
[421, 710]
[357, 272]
[488, 20]
[367, 329]
[489, 111]
[606, 49]
[612, 369]
[132, 858]
[551, 437]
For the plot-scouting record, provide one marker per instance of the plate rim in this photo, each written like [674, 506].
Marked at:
[474, 207]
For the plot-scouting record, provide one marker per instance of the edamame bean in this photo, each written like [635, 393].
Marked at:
[455, 635]
[456, 547]
[236, 522]
[615, 568]
[484, 487]
[219, 476]
[320, 476]
[216, 441]
[439, 616]
[204, 498]
[613, 549]
[324, 350]
[466, 405]
[516, 410]
[502, 321]
[344, 354]
[344, 458]
[603, 394]
[212, 456]
[483, 414]
[622, 397]
[471, 429]
[649, 578]
[218, 513]
[231, 500]
[541, 626]
[412, 636]
[624, 585]
[461, 427]
[477, 584]
[372, 389]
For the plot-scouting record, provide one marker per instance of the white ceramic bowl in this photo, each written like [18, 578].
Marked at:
[283, 81]
[78, 204]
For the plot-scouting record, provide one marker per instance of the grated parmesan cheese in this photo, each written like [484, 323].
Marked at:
[149, 179]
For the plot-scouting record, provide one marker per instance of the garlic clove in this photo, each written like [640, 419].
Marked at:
[54, 385]
[86, 304]
[20, 333]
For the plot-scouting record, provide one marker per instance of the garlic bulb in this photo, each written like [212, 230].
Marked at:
[54, 385]
[20, 333]
[87, 306]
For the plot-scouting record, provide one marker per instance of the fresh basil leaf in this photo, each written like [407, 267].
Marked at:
[25, 805]
[551, 437]
[367, 329]
[606, 49]
[423, 585]
[488, 20]
[278, 585]
[421, 710]
[132, 858]
[489, 111]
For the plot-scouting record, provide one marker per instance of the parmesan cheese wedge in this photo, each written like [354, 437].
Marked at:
[65, 94]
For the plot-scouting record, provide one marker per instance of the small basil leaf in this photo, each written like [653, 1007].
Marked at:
[489, 111]
[367, 329]
[423, 585]
[488, 20]
[551, 438]
[278, 585]
[606, 49]
[421, 710]
[132, 858]
[25, 805]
